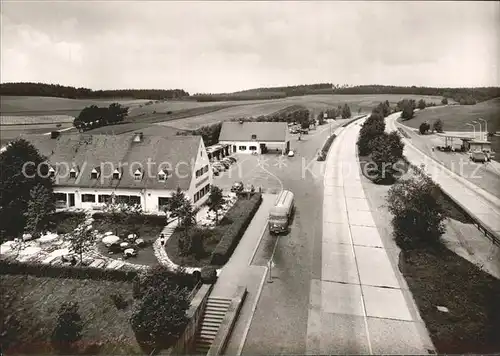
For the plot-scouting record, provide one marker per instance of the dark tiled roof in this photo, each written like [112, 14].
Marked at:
[120, 151]
[264, 131]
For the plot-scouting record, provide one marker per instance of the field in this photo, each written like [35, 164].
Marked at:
[37, 105]
[181, 114]
[35, 302]
[455, 117]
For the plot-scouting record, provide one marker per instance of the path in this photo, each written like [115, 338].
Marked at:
[357, 306]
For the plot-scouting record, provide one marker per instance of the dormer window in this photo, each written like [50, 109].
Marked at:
[73, 173]
[95, 173]
[117, 174]
[138, 174]
[162, 176]
[52, 172]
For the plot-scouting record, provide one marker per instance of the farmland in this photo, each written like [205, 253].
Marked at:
[181, 114]
[37, 105]
[455, 117]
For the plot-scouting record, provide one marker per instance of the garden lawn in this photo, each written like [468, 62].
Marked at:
[35, 303]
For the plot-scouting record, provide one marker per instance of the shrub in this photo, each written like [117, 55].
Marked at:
[68, 328]
[208, 275]
[421, 104]
[418, 216]
[387, 150]
[240, 214]
[424, 128]
[326, 147]
[118, 300]
[444, 101]
[438, 125]
[373, 126]
[54, 271]
[160, 316]
[159, 275]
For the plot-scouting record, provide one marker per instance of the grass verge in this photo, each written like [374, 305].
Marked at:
[439, 277]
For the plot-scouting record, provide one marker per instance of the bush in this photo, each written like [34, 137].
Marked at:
[159, 275]
[444, 101]
[326, 147]
[424, 128]
[240, 214]
[373, 127]
[438, 125]
[68, 328]
[76, 272]
[208, 275]
[418, 216]
[387, 150]
[119, 302]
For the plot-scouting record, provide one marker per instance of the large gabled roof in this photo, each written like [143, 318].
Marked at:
[177, 154]
[263, 131]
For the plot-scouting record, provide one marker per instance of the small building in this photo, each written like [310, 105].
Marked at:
[218, 152]
[477, 145]
[88, 170]
[255, 137]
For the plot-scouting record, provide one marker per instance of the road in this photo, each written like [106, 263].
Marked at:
[279, 324]
[473, 199]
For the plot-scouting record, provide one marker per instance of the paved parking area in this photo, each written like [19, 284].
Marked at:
[261, 171]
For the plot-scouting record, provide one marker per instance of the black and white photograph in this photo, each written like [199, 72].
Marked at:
[202, 177]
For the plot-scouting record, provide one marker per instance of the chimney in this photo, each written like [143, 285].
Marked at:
[138, 137]
[54, 134]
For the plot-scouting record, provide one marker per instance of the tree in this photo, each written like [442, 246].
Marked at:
[386, 151]
[321, 118]
[444, 101]
[424, 128]
[83, 238]
[41, 205]
[18, 176]
[187, 219]
[438, 125]
[68, 328]
[160, 316]
[407, 113]
[215, 201]
[372, 127]
[421, 104]
[176, 203]
[346, 112]
[418, 216]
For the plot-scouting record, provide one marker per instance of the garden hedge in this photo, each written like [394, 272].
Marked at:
[58, 271]
[240, 216]
[326, 147]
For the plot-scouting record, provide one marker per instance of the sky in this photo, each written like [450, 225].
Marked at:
[214, 47]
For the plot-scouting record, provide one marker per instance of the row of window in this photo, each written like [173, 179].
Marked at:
[201, 193]
[201, 171]
[105, 198]
[95, 174]
[244, 148]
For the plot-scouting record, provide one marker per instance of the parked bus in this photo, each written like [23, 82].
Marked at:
[280, 215]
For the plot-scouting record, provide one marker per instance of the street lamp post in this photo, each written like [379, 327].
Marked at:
[480, 131]
[473, 127]
[485, 128]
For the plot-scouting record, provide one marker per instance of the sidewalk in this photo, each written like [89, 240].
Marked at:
[239, 272]
[358, 305]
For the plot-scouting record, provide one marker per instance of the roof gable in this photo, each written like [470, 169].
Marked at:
[249, 131]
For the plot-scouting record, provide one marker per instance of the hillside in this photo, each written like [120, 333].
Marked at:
[455, 117]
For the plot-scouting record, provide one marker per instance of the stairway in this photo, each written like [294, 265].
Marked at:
[215, 311]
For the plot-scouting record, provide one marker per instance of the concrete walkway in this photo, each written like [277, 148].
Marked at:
[476, 201]
[358, 305]
[238, 271]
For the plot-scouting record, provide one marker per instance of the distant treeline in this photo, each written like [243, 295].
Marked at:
[464, 96]
[59, 91]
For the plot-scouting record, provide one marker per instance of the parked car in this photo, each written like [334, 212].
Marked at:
[294, 131]
[225, 164]
[215, 170]
[227, 160]
[219, 166]
[478, 157]
[232, 159]
[291, 153]
[304, 131]
[237, 187]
